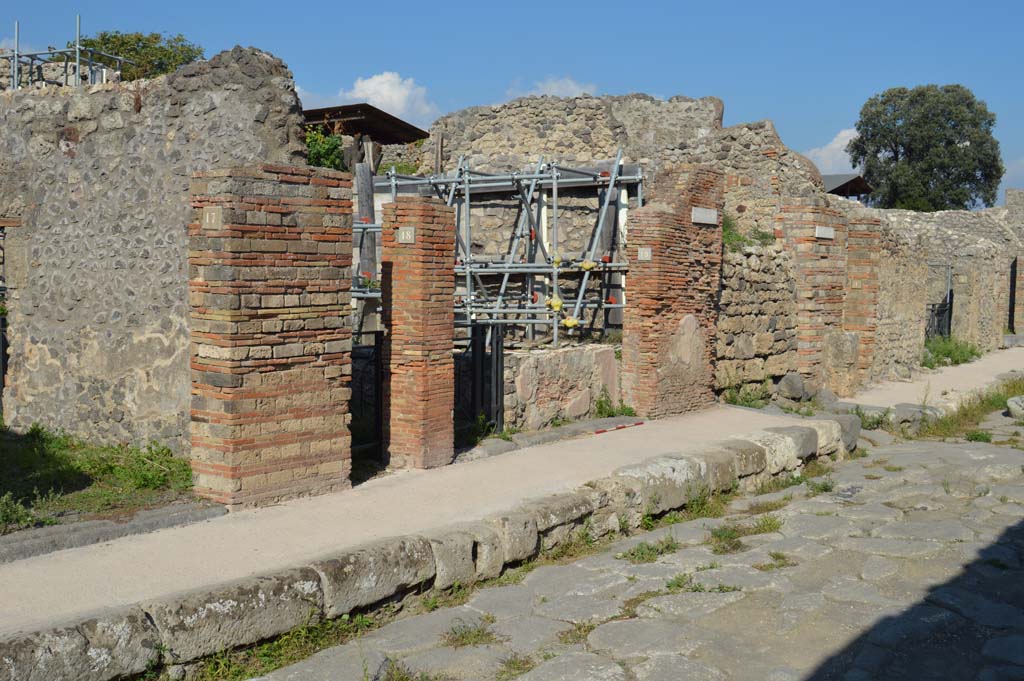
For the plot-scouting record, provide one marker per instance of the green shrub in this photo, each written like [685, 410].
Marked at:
[978, 436]
[401, 168]
[872, 421]
[942, 351]
[972, 410]
[13, 514]
[749, 395]
[733, 240]
[605, 408]
[325, 151]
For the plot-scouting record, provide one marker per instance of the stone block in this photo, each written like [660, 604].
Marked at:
[199, 624]
[120, 644]
[453, 558]
[518, 533]
[666, 482]
[806, 439]
[489, 549]
[374, 572]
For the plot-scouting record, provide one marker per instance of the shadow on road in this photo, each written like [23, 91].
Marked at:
[970, 627]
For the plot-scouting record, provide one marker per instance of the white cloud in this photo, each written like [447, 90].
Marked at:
[832, 158]
[552, 85]
[398, 96]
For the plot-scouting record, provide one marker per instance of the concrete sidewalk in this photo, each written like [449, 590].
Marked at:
[70, 585]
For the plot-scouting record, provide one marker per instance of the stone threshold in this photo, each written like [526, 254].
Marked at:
[188, 627]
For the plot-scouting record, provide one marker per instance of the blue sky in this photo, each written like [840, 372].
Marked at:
[808, 66]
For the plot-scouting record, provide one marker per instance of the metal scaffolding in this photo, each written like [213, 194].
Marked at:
[533, 284]
[95, 69]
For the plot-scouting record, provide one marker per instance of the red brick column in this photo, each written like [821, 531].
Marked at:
[815, 235]
[669, 323]
[860, 306]
[270, 250]
[418, 289]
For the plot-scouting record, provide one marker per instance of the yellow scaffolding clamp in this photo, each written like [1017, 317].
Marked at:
[570, 322]
[555, 303]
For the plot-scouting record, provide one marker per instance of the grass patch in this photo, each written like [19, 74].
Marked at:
[872, 476]
[751, 395]
[942, 352]
[734, 241]
[296, 645]
[873, 420]
[464, 634]
[893, 468]
[759, 507]
[398, 672]
[47, 477]
[859, 453]
[605, 408]
[816, 487]
[684, 584]
[779, 560]
[455, 595]
[578, 634]
[972, 410]
[978, 436]
[645, 552]
[514, 665]
[726, 538]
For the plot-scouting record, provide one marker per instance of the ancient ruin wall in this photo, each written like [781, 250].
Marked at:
[97, 273]
[900, 314]
[545, 385]
[756, 332]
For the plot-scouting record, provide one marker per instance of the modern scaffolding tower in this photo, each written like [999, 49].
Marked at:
[534, 284]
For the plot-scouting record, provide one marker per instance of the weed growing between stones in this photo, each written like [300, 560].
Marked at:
[289, 648]
[463, 634]
[749, 395]
[605, 408]
[726, 538]
[645, 552]
[972, 411]
[514, 665]
[978, 436]
[759, 507]
[859, 453]
[893, 469]
[684, 584]
[578, 634]
[46, 477]
[872, 421]
[816, 487]
[779, 560]
[396, 671]
[940, 352]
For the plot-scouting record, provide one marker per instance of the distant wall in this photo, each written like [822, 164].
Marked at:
[97, 271]
[756, 332]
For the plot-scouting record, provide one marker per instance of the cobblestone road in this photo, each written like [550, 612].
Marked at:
[910, 568]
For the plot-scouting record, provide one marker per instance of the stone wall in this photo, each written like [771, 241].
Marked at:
[269, 252]
[756, 332]
[548, 384]
[97, 273]
[900, 313]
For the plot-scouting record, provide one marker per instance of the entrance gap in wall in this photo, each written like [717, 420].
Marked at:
[1011, 321]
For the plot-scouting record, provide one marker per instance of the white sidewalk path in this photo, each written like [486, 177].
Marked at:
[70, 585]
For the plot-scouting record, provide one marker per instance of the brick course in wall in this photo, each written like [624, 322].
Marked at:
[418, 289]
[270, 249]
[668, 340]
[860, 306]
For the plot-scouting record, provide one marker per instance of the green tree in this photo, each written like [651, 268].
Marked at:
[325, 151]
[153, 53]
[928, 148]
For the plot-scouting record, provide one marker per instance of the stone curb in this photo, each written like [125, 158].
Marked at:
[43, 540]
[185, 628]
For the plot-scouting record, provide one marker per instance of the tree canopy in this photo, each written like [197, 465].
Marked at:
[153, 53]
[928, 148]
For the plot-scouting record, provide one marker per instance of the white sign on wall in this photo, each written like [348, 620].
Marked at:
[406, 235]
[704, 216]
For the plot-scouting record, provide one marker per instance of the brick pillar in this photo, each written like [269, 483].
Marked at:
[815, 235]
[669, 323]
[418, 288]
[270, 251]
[860, 305]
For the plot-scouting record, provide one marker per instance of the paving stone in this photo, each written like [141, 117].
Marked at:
[350, 661]
[578, 609]
[418, 633]
[876, 568]
[1009, 649]
[818, 527]
[895, 548]
[938, 530]
[640, 638]
[687, 606]
[916, 624]
[852, 589]
[795, 547]
[877, 512]
[576, 667]
[1012, 510]
[675, 668]
[504, 601]
[526, 635]
[569, 580]
[469, 663]
[978, 608]
[745, 578]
